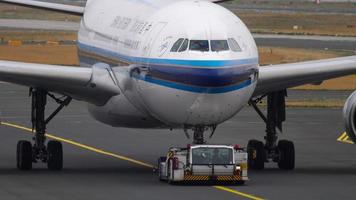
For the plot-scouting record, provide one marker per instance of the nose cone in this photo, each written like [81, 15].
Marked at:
[193, 102]
[177, 107]
[208, 109]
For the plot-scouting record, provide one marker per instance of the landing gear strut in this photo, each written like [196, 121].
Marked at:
[281, 152]
[198, 133]
[52, 153]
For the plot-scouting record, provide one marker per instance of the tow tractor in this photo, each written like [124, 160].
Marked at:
[204, 163]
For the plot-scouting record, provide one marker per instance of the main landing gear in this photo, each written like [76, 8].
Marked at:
[52, 153]
[281, 152]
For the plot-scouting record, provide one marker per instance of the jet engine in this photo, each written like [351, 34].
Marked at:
[350, 117]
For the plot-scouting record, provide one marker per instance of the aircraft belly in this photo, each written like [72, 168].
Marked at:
[119, 112]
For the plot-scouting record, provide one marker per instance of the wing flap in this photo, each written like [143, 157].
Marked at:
[279, 77]
[70, 9]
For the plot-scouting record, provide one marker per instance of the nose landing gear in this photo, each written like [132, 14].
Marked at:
[198, 133]
[52, 153]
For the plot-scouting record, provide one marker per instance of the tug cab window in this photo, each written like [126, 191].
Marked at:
[176, 45]
[219, 45]
[234, 46]
[216, 156]
[199, 45]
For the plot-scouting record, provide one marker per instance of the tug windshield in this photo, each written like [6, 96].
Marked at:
[212, 156]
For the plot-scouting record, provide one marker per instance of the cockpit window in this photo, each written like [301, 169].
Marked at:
[176, 45]
[234, 46]
[184, 46]
[219, 45]
[199, 45]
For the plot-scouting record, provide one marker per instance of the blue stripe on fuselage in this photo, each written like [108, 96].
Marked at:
[196, 89]
[201, 76]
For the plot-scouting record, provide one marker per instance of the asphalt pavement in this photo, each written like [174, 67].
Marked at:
[39, 24]
[325, 168]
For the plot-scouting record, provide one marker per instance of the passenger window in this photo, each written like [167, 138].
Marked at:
[219, 45]
[176, 45]
[234, 46]
[199, 45]
[184, 46]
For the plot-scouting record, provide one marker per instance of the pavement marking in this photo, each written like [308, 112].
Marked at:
[342, 136]
[345, 138]
[82, 146]
[249, 196]
[226, 189]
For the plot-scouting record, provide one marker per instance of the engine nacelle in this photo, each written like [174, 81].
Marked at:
[350, 116]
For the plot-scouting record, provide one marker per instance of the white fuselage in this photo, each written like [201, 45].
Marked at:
[161, 87]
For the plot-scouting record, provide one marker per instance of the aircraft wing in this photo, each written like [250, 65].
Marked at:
[70, 9]
[278, 77]
[94, 85]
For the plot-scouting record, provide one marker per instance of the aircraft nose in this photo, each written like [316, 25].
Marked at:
[210, 109]
[209, 80]
[197, 95]
[226, 95]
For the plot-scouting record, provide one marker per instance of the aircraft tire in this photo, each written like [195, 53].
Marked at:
[55, 155]
[256, 155]
[286, 155]
[24, 155]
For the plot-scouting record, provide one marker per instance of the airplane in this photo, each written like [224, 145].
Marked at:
[167, 64]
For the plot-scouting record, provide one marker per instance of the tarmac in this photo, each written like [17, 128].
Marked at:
[39, 24]
[102, 162]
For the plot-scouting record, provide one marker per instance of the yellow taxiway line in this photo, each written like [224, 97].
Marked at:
[83, 146]
[120, 157]
[344, 138]
[238, 193]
